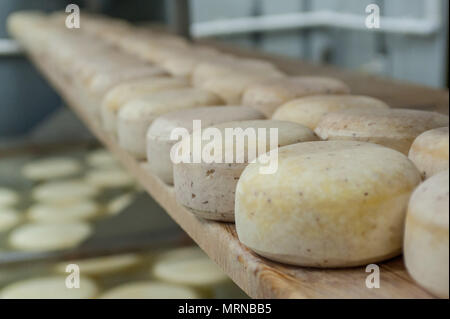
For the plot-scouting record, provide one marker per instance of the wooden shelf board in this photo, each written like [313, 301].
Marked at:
[259, 277]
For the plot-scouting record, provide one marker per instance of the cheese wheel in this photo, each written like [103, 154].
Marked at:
[226, 65]
[208, 189]
[49, 236]
[267, 95]
[329, 204]
[64, 191]
[118, 204]
[426, 235]
[100, 83]
[109, 178]
[8, 218]
[231, 86]
[101, 158]
[181, 62]
[150, 290]
[8, 197]
[136, 116]
[51, 168]
[188, 266]
[63, 212]
[102, 266]
[430, 151]
[123, 93]
[52, 287]
[394, 128]
[159, 143]
[309, 110]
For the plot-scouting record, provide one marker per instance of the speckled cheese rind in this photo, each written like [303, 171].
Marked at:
[150, 290]
[135, 117]
[208, 189]
[268, 95]
[51, 287]
[329, 204]
[121, 94]
[393, 128]
[430, 151]
[309, 110]
[426, 235]
[159, 143]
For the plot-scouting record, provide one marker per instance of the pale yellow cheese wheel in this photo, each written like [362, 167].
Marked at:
[49, 236]
[135, 117]
[64, 191]
[310, 109]
[51, 287]
[150, 290]
[8, 218]
[82, 209]
[208, 189]
[159, 143]
[51, 168]
[124, 92]
[426, 235]
[329, 204]
[266, 96]
[188, 266]
[109, 178]
[393, 128]
[430, 151]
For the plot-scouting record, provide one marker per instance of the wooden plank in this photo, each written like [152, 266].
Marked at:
[258, 277]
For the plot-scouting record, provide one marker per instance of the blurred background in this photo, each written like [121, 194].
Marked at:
[411, 45]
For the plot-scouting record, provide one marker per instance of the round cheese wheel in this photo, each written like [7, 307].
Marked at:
[426, 235]
[268, 95]
[82, 209]
[430, 151]
[49, 236]
[159, 143]
[52, 287]
[188, 266]
[309, 110]
[101, 82]
[64, 191]
[150, 290]
[208, 189]
[118, 204]
[125, 92]
[394, 128]
[8, 218]
[329, 204]
[8, 197]
[226, 65]
[109, 178]
[101, 158]
[101, 266]
[51, 168]
[136, 116]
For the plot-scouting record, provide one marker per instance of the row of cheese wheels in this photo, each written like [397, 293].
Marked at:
[343, 181]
